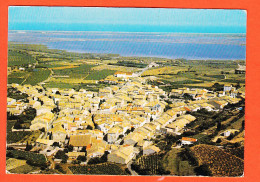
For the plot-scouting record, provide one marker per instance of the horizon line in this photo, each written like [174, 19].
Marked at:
[124, 31]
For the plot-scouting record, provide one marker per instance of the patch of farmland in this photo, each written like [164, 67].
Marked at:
[77, 72]
[216, 76]
[37, 76]
[64, 67]
[25, 169]
[219, 162]
[116, 68]
[163, 70]
[13, 137]
[12, 163]
[239, 151]
[16, 58]
[99, 169]
[98, 75]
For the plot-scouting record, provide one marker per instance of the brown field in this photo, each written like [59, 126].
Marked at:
[219, 162]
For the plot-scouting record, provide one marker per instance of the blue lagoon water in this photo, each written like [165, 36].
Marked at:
[165, 45]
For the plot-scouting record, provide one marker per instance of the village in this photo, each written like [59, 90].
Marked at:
[120, 121]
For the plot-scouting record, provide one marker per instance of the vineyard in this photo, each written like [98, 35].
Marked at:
[220, 163]
[149, 162]
[99, 169]
[239, 151]
[149, 165]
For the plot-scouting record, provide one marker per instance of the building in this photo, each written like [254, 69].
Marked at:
[152, 149]
[58, 133]
[74, 155]
[121, 74]
[80, 141]
[241, 69]
[188, 141]
[122, 156]
[227, 87]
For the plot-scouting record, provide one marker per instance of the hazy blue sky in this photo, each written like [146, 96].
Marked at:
[127, 19]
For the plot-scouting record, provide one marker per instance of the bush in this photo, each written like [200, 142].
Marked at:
[82, 158]
[59, 168]
[203, 170]
[61, 155]
[33, 158]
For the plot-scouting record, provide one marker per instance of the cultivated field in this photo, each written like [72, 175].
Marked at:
[219, 162]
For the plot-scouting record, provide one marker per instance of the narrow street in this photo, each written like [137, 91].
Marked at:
[133, 173]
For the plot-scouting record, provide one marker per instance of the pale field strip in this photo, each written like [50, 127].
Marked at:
[89, 61]
[115, 67]
[64, 67]
[12, 163]
[71, 80]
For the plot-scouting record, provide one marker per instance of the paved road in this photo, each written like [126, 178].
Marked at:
[133, 173]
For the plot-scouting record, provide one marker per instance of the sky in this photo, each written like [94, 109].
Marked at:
[126, 19]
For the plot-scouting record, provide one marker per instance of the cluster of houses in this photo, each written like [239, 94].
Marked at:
[120, 119]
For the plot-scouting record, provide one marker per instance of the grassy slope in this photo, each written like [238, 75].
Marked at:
[175, 165]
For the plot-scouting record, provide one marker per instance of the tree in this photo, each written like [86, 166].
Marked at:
[127, 131]
[28, 147]
[219, 126]
[70, 148]
[231, 136]
[243, 124]
[82, 158]
[218, 140]
[203, 170]
[83, 149]
[56, 144]
[238, 85]
[50, 136]
[89, 127]
[187, 97]
[17, 125]
[217, 87]
[42, 129]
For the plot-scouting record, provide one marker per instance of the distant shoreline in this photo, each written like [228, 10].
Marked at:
[118, 32]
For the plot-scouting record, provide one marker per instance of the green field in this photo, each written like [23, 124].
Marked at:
[98, 75]
[17, 58]
[37, 76]
[173, 162]
[79, 72]
[31, 77]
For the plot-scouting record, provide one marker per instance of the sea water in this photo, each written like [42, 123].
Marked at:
[165, 45]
